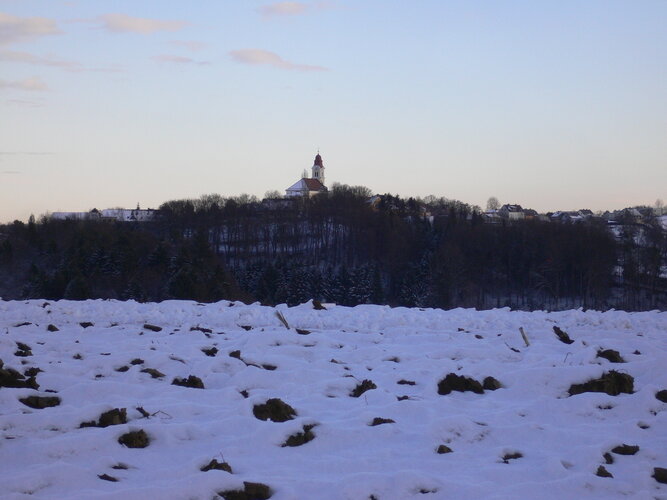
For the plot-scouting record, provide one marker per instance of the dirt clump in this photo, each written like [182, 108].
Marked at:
[137, 361]
[317, 305]
[23, 350]
[215, 465]
[612, 383]
[116, 416]
[40, 402]
[153, 372]
[210, 351]
[661, 395]
[459, 383]
[603, 472]
[52, 328]
[511, 456]
[275, 410]
[86, 324]
[363, 386]
[135, 439]
[660, 474]
[152, 328]
[442, 449]
[562, 336]
[107, 477]
[191, 381]
[380, 421]
[406, 382]
[250, 491]
[491, 384]
[610, 355]
[13, 379]
[300, 438]
[625, 449]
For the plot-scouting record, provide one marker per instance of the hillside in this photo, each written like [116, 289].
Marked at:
[372, 403]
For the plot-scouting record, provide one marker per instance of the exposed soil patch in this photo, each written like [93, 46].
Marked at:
[215, 465]
[40, 402]
[562, 336]
[116, 416]
[511, 456]
[442, 449]
[300, 438]
[153, 372]
[250, 491]
[152, 328]
[191, 381]
[380, 421]
[454, 382]
[661, 395]
[317, 305]
[612, 383]
[625, 449]
[123, 368]
[200, 329]
[52, 328]
[602, 472]
[210, 351]
[137, 361]
[12, 378]
[275, 410]
[134, 439]
[86, 324]
[608, 458]
[491, 384]
[611, 355]
[24, 350]
[363, 386]
[302, 331]
[660, 475]
[406, 382]
[107, 477]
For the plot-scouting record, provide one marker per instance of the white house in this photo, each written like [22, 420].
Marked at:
[310, 186]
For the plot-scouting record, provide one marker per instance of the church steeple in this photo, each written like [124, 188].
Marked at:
[318, 168]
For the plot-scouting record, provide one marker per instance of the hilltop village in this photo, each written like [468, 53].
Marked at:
[315, 185]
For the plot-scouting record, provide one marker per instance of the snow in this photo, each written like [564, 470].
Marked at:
[562, 438]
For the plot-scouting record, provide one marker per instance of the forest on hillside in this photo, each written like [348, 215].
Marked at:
[337, 248]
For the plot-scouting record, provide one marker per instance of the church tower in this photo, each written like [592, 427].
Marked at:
[318, 169]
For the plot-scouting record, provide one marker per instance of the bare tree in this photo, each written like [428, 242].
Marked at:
[492, 203]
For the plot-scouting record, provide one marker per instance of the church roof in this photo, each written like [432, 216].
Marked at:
[307, 185]
[314, 184]
[318, 161]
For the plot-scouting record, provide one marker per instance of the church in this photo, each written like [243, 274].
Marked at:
[310, 187]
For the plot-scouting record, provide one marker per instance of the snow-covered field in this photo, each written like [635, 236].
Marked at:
[529, 439]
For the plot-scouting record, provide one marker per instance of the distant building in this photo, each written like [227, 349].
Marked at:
[310, 186]
[110, 214]
[512, 212]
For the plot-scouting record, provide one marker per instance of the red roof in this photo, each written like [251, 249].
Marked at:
[314, 185]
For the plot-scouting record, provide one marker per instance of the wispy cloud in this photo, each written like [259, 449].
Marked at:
[49, 60]
[25, 102]
[265, 57]
[122, 23]
[20, 29]
[169, 58]
[10, 172]
[291, 8]
[33, 84]
[189, 44]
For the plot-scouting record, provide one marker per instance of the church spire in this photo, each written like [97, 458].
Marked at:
[318, 168]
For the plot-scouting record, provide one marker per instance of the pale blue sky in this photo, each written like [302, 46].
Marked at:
[553, 105]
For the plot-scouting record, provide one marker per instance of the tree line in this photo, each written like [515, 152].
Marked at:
[344, 247]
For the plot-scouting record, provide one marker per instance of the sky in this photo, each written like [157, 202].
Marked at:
[552, 105]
